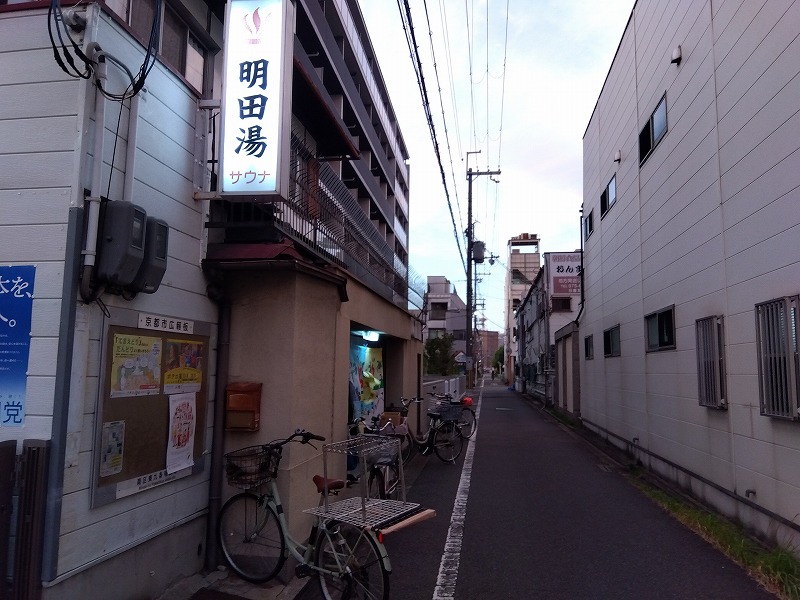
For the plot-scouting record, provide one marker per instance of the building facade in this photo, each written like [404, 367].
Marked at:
[446, 313]
[691, 261]
[524, 262]
[167, 311]
[552, 303]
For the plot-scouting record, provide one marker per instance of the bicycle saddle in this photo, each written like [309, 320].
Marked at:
[330, 485]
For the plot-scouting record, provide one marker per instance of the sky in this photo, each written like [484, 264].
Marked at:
[518, 104]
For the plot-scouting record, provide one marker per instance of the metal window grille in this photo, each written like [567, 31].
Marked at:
[710, 344]
[776, 346]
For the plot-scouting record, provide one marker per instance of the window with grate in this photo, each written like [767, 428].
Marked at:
[776, 347]
[178, 47]
[710, 343]
[611, 342]
[588, 347]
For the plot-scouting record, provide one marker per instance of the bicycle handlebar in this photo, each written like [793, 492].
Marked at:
[306, 436]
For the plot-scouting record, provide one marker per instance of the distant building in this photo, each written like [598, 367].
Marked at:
[446, 313]
[551, 304]
[524, 262]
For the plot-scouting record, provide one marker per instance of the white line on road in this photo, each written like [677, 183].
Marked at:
[448, 567]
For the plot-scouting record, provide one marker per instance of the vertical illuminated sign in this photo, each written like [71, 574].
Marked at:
[257, 97]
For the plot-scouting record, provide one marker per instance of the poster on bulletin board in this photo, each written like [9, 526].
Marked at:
[153, 404]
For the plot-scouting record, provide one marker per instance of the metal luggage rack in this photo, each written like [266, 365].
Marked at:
[366, 512]
[362, 510]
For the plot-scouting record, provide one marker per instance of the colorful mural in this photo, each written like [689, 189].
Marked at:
[366, 382]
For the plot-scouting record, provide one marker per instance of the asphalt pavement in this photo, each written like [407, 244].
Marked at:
[531, 510]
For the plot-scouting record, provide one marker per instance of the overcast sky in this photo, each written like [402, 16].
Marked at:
[540, 88]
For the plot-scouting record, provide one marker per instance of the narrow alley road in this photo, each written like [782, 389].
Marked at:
[546, 517]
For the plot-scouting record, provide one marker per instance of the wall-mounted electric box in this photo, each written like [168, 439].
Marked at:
[154, 263]
[120, 244]
[243, 406]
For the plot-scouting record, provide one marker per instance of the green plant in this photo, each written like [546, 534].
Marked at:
[777, 569]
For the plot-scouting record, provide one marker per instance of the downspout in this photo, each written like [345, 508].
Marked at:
[580, 235]
[130, 157]
[88, 292]
[218, 434]
[61, 397]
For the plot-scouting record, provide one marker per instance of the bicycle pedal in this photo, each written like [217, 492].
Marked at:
[302, 571]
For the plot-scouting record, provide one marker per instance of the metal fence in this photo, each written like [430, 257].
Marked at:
[322, 215]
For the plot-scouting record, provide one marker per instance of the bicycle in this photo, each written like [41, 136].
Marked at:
[349, 559]
[467, 423]
[442, 437]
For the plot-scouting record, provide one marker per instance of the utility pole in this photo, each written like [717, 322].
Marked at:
[470, 176]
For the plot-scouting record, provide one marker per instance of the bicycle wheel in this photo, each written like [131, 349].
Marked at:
[251, 538]
[351, 563]
[467, 423]
[447, 442]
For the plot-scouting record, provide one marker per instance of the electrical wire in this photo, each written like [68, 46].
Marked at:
[408, 28]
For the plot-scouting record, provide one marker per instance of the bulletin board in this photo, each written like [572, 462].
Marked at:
[151, 416]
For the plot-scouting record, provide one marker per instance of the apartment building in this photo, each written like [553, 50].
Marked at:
[524, 262]
[691, 260]
[204, 241]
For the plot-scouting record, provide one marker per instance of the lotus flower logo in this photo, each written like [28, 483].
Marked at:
[253, 24]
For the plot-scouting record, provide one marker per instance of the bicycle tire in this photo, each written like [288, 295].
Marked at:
[447, 442]
[251, 538]
[351, 564]
[468, 422]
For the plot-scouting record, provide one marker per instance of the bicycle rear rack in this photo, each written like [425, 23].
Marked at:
[364, 511]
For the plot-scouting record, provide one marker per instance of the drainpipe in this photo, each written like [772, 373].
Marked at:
[130, 158]
[218, 434]
[580, 235]
[88, 292]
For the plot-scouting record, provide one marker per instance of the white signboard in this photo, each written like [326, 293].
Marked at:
[565, 273]
[256, 97]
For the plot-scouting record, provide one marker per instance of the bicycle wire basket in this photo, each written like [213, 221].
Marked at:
[252, 466]
[446, 411]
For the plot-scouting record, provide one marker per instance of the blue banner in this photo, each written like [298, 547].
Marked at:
[16, 306]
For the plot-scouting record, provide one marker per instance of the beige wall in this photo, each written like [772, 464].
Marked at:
[291, 332]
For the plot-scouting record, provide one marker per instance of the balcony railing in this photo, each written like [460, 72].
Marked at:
[322, 215]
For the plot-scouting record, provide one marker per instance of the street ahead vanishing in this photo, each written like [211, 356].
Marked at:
[531, 510]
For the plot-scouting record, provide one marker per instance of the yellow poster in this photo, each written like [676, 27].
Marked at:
[135, 365]
[183, 367]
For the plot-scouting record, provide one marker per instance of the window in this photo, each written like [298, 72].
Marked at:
[653, 131]
[438, 310]
[776, 347]
[710, 362]
[178, 47]
[562, 304]
[588, 347]
[609, 196]
[611, 346]
[660, 330]
[588, 225]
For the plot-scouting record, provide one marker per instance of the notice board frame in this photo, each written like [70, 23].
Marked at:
[132, 418]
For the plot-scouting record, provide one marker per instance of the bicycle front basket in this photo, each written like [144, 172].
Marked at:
[252, 466]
